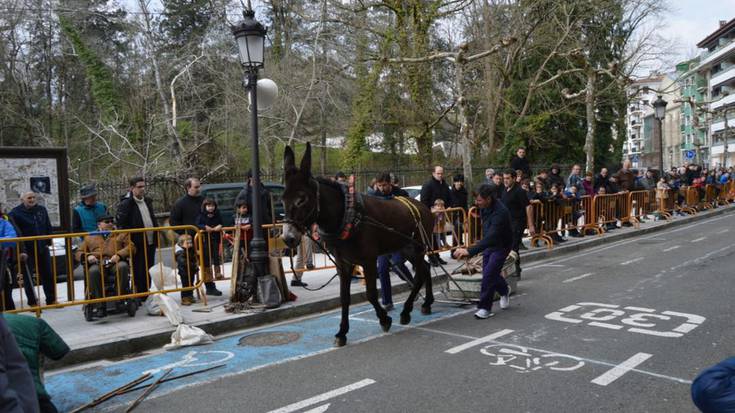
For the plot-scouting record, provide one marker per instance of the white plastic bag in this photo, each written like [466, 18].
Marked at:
[186, 335]
[162, 277]
[170, 309]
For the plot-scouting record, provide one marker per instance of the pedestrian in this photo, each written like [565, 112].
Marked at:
[519, 162]
[386, 190]
[187, 266]
[489, 172]
[602, 179]
[459, 198]
[33, 220]
[13, 261]
[713, 390]
[104, 255]
[85, 214]
[37, 341]
[185, 212]
[341, 178]
[17, 390]
[135, 211]
[210, 220]
[440, 220]
[588, 184]
[648, 181]
[304, 257]
[543, 177]
[435, 188]
[516, 201]
[625, 177]
[246, 194]
[539, 192]
[555, 176]
[575, 177]
[495, 246]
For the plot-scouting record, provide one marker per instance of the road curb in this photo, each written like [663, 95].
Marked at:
[130, 346]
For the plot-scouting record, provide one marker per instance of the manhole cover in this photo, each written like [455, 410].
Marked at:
[276, 338]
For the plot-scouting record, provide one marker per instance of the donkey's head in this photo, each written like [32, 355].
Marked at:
[300, 199]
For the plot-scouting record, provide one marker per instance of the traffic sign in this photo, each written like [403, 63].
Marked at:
[689, 154]
[635, 158]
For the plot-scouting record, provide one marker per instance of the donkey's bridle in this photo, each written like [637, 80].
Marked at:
[313, 214]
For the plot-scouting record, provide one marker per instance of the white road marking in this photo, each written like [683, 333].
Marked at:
[671, 248]
[622, 368]
[320, 409]
[576, 256]
[477, 342]
[578, 277]
[632, 261]
[324, 396]
[722, 231]
[699, 239]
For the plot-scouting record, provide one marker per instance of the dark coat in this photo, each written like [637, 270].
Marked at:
[31, 222]
[17, 390]
[265, 200]
[433, 190]
[626, 180]
[459, 198]
[496, 228]
[185, 211]
[129, 217]
[522, 164]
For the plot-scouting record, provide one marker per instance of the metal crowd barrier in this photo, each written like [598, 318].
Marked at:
[452, 221]
[537, 216]
[19, 272]
[611, 208]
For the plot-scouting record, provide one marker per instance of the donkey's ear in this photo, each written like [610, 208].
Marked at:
[306, 161]
[289, 159]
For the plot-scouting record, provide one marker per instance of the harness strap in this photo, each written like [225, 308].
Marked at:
[416, 214]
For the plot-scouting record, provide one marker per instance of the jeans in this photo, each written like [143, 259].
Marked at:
[384, 263]
[492, 280]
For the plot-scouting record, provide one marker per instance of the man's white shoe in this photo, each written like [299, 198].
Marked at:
[483, 314]
[505, 300]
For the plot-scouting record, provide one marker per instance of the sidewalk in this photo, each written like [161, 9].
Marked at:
[120, 336]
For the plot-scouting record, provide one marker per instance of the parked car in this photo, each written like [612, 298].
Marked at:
[225, 195]
[413, 191]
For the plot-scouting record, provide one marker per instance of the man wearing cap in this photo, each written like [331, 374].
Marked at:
[33, 220]
[104, 254]
[85, 214]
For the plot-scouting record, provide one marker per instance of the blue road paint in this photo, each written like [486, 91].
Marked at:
[74, 388]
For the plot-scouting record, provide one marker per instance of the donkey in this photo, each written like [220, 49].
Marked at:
[381, 227]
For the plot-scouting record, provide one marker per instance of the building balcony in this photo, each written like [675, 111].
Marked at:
[636, 125]
[724, 101]
[722, 77]
[710, 57]
[720, 125]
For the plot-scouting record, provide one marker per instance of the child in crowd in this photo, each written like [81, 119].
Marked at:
[210, 220]
[243, 221]
[188, 266]
[440, 219]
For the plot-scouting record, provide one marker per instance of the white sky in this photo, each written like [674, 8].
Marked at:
[690, 21]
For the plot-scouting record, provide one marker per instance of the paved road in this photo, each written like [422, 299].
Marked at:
[623, 328]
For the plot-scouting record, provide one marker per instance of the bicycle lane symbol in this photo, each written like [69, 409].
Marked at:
[525, 361]
[196, 359]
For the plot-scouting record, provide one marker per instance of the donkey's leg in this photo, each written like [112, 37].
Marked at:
[417, 260]
[423, 268]
[345, 279]
[372, 295]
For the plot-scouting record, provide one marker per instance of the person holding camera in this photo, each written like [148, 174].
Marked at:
[104, 254]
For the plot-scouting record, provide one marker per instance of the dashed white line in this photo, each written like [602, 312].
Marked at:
[671, 248]
[722, 231]
[699, 239]
[632, 261]
[578, 277]
[477, 342]
[324, 396]
[622, 368]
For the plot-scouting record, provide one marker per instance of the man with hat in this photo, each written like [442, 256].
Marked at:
[88, 210]
[103, 253]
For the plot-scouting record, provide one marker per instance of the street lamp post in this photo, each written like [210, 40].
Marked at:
[659, 112]
[250, 37]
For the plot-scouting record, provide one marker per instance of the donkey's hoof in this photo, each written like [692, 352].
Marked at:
[387, 324]
[405, 319]
[340, 341]
[425, 310]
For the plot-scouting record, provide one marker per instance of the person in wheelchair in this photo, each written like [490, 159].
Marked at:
[104, 257]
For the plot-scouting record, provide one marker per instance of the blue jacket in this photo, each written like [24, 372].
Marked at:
[496, 228]
[7, 231]
[85, 216]
[714, 389]
[32, 221]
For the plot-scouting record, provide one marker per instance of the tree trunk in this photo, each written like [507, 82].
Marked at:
[465, 131]
[589, 103]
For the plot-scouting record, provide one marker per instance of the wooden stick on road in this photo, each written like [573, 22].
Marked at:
[180, 376]
[148, 391]
[112, 393]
